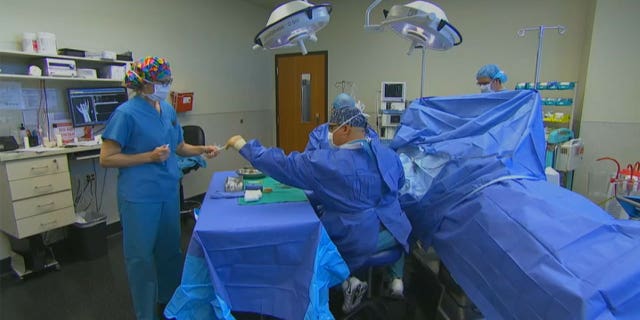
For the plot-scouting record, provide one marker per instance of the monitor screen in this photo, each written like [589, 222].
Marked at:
[93, 106]
[393, 91]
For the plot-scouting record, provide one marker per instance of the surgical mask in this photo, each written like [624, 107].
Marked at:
[330, 138]
[160, 92]
[485, 88]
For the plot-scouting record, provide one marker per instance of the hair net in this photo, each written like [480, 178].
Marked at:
[349, 116]
[150, 69]
[492, 71]
[343, 100]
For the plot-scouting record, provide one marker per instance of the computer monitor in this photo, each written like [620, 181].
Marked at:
[94, 106]
[393, 91]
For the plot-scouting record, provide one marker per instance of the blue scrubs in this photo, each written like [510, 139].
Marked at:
[358, 189]
[148, 202]
[318, 138]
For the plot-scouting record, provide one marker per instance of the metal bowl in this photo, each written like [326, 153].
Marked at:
[250, 173]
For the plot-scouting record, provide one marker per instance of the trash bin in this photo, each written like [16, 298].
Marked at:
[88, 236]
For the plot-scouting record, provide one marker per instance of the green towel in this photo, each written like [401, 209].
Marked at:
[279, 193]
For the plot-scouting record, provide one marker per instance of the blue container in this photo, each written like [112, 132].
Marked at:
[566, 85]
[564, 102]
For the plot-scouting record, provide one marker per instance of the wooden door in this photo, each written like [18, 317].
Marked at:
[301, 97]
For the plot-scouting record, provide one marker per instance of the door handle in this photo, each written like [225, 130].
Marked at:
[317, 119]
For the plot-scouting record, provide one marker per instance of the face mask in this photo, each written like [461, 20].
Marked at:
[160, 92]
[330, 138]
[485, 88]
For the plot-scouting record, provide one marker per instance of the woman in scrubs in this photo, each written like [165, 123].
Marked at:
[142, 139]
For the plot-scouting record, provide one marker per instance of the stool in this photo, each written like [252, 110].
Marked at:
[378, 259]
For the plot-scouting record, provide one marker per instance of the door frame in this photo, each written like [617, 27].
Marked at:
[325, 53]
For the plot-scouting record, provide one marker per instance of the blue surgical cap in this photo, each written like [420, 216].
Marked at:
[492, 71]
[354, 116]
[343, 100]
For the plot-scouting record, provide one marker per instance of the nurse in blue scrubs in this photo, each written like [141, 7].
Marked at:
[357, 181]
[142, 139]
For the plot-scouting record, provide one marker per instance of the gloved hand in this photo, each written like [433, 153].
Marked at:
[237, 142]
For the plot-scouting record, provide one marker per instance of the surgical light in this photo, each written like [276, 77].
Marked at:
[422, 23]
[291, 24]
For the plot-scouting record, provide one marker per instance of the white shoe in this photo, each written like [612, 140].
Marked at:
[354, 290]
[397, 288]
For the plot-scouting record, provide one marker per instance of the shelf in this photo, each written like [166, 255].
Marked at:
[9, 53]
[556, 121]
[28, 77]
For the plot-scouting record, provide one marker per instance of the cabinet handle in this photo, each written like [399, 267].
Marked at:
[42, 187]
[46, 204]
[39, 168]
[49, 224]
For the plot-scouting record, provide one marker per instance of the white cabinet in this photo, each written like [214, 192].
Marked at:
[35, 195]
[14, 65]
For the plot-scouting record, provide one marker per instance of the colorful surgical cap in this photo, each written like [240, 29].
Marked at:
[149, 68]
[352, 115]
[492, 71]
[343, 100]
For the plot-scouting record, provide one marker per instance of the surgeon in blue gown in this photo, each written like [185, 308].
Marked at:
[357, 183]
[318, 137]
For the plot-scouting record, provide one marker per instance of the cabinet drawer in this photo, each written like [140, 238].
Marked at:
[38, 186]
[45, 222]
[39, 205]
[36, 167]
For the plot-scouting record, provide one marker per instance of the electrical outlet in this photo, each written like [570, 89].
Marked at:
[91, 177]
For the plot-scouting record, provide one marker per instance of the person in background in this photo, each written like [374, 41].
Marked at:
[357, 181]
[318, 137]
[490, 78]
[141, 139]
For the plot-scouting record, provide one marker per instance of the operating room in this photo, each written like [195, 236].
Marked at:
[211, 45]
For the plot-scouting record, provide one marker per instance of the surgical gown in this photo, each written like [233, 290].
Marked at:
[358, 189]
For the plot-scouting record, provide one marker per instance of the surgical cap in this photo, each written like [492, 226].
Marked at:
[343, 100]
[150, 69]
[340, 115]
[492, 71]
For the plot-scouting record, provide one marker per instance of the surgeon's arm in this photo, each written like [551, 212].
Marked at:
[111, 155]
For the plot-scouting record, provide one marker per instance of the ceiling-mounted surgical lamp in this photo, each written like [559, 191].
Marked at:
[292, 23]
[422, 23]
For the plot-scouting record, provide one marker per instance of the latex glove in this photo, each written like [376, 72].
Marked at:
[160, 154]
[210, 151]
[237, 142]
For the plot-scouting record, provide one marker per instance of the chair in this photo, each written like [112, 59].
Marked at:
[371, 307]
[192, 135]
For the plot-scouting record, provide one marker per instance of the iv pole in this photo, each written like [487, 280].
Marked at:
[424, 71]
[521, 33]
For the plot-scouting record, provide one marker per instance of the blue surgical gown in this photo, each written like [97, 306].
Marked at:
[318, 138]
[358, 189]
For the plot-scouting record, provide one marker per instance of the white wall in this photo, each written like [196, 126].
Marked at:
[611, 116]
[489, 31]
[207, 44]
